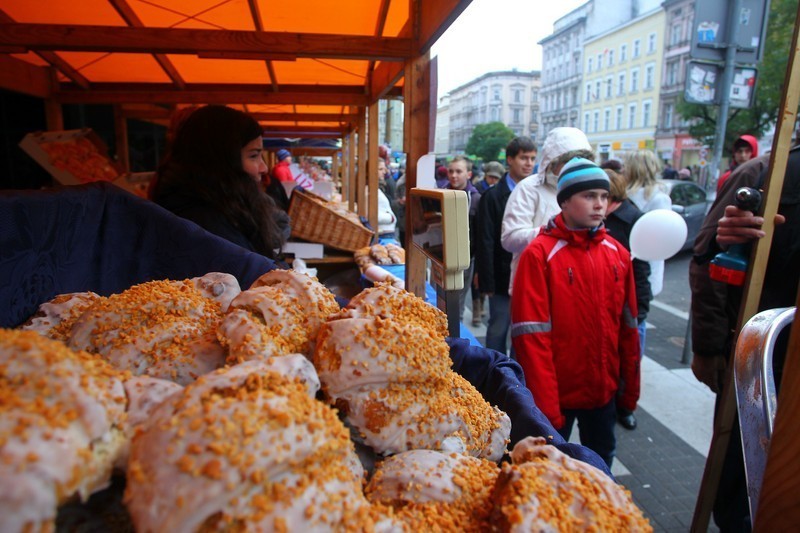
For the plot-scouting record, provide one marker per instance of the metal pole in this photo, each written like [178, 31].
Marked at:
[725, 93]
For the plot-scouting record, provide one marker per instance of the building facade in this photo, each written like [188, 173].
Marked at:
[673, 143]
[441, 142]
[510, 97]
[390, 123]
[621, 86]
[562, 68]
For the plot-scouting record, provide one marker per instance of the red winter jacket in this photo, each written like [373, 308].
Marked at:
[573, 320]
[281, 172]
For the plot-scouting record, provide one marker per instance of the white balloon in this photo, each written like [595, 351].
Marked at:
[657, 235]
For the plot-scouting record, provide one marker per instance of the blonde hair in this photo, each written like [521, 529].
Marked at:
[640, 171]
[617, 191]
[466, 161]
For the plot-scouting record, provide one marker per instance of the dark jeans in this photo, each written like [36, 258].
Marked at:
[596, 429]
[499, 321]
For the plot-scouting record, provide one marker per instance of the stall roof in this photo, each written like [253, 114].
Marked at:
[309, 63]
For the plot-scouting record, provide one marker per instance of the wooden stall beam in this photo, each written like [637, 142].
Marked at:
[434, 18]
[351, 172]
[214, 93]
[255, 13]
[361, 176]
[52, 59]
[417, 141]
[133, 20]
[22, 77]
[232, 43]
[121, 134]
[372, 165]
[304, 129]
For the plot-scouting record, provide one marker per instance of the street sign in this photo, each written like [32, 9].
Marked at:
[710, 30]
[703, 79]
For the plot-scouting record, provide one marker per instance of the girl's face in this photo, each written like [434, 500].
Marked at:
[252, 163]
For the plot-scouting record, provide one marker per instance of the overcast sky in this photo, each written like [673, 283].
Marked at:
[496, 35]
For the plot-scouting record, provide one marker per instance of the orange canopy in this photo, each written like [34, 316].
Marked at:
[298, 65]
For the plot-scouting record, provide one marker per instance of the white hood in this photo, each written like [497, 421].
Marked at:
[560, 141]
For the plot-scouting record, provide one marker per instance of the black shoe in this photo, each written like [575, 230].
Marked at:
[627, 420]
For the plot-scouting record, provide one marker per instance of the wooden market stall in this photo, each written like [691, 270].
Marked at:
[310, 68]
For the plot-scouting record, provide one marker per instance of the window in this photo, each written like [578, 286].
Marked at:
[575, 96]
[609, 89]
[646, 106]
[588, 92]
[651, 43]
[607, 119]
[618, 119]
[631, 116]
[611, 58]
[636, 47]
[599, 61]
[649, 75]
[675, 34]
[518, 95]
[517, 116]
[634, 80]
[494, 114]
[621, 84]
[496, 93]
[668, 111]
[586, 122]
[533, 115]
[596, 121]
[623, 53]
[672, 73]
[597, 90]
[589, 65]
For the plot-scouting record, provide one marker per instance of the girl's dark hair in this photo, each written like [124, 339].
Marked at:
[205, 161]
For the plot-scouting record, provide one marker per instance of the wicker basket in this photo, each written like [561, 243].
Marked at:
[314, 219]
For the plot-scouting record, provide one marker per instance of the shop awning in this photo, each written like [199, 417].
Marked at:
[306, 65]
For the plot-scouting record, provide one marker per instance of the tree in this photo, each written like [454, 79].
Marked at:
[769, 86]
[488, 139]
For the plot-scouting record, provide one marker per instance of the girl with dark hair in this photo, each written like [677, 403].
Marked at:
[211, 176]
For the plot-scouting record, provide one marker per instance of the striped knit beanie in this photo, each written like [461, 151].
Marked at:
[578, 175]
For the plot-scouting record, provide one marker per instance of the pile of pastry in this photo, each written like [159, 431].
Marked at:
[270, 409]
[379, 254]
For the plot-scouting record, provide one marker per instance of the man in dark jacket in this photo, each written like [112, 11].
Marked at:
[493, 262]
[715, 306]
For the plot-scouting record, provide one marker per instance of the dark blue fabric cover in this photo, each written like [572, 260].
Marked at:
[500, 380]
[98, 237]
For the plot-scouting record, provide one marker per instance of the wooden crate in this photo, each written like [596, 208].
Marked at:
[317, 220]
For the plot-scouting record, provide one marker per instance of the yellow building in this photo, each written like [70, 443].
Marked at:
[621, 82]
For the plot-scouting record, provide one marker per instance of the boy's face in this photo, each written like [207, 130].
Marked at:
[585, 209]
[521, 165]
[743, 154]
[457, 175]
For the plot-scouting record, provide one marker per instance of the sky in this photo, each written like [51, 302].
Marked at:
[495, 35]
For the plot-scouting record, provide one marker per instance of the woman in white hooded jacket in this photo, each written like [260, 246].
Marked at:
[533, 201]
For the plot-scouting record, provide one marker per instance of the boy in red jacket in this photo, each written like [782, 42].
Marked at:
[573, 314]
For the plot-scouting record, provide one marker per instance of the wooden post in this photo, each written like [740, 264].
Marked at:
[54, 115]
[121, 131]
[752, 294]
[335, 169]
[351, 164]
[361, 181]
[372, 166]
[417, 141]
